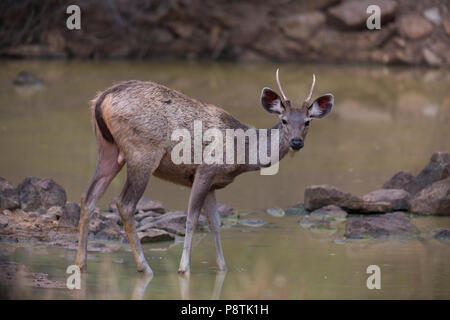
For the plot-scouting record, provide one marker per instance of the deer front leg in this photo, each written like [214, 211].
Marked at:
[210, 208]
[200, 189]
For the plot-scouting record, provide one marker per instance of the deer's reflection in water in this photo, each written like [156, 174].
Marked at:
[184, 284]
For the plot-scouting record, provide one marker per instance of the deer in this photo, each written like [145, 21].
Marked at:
[132, 123]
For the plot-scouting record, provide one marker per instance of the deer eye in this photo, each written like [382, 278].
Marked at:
[307, 123]
[284, 121]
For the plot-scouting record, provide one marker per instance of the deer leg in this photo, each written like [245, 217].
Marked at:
[107, 168]
[137, 179]
[200, 189]
[210, 208]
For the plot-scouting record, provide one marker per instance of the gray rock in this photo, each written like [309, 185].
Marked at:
[330, 212]
[251, 222]
[225, 210]
[414, 26]
[144, 204]
[353, 14]
[109, 232]
[320, 196]
[55, 211]
[35, 193]
[145, 214]
[398, 198]
[401, 180]
[434, 199]
[303, 26]
[437, 169]
[70, 216]
[110, 217]
[387, 225]
[297, 209]
[276, 212]
[173, 222]
[95, 225]
[443, 234]
[433, 15]
[9, 195]
[3, 221]
[154, 235]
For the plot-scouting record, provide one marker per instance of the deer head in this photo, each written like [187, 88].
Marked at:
[295, 121]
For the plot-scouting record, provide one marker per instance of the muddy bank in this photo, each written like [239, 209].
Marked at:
[412, 32]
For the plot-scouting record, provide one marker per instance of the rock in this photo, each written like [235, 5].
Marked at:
[443, 234]
[113, 218]
[431, 58]
[154, 235]
[95, 225]
[401, 180]
[25, 78]
[251, 222]
[446, 26]
[173, 222]
[320, 196]
[276, 212]
[353, 14]
[437, 169]
[145, 214]
[9, 195]
[70, 216]
[108, 232]
[56, 212]
[386, 225]
[434, 199]
[296, 209]
[330, 212]
[144, 204]
[35, 193]
[433, 15]
[398, 198]
[3, 221]
[414, 26]
[303, 26]
[225, 210]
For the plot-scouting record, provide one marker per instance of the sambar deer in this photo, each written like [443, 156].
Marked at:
[133, 122]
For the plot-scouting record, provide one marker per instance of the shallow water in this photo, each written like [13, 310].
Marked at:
[384, 120]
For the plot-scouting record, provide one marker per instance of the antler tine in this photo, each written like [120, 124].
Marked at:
[279, 86]
[312, 89]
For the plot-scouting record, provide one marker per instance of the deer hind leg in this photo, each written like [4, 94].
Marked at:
[212, 214]
[138, 175]
[107, 168]
[200, 189]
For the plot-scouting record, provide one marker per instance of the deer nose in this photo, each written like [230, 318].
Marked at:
[296, 144]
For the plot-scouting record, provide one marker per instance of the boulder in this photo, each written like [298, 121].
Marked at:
[386, 225]
[144, 204]
[320, 196]
[3, 221]
[70, 216]
[173, 222]
[401, 180]
[434, 199]
[437, 169]
[154, 235]
[398, 198]
[414, 26]
[303, 26]
[9, 195]
[353, 14]
[35, 193]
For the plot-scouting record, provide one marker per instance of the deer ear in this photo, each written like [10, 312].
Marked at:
[271, 101]
[321, 107]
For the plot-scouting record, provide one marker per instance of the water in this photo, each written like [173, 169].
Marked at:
[384, 120]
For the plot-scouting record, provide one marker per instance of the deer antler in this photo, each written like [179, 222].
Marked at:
[312, 89]
[279, 86]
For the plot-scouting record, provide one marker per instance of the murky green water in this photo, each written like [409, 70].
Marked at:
[384, 120]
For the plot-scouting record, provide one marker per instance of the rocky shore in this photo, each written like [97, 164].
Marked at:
[37, 211]
[412, 32]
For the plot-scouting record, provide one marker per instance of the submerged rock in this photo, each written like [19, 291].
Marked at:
[297, 209]
[320, 196]
[387, 225]
[398, 198]
[434, 199]
[225, 210]
[251, 222]
[330, 212]
[173, 222]
[276, 212]
[36, 193]
[25, 78]
[443, 234]
[154, 235]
